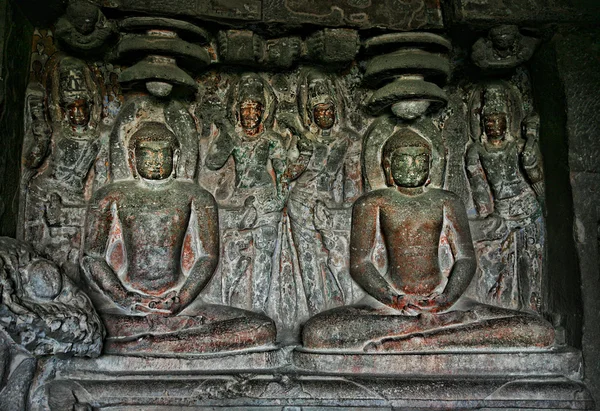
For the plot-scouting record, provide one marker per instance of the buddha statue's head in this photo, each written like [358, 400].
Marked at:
[251, 105]
[321, 100]
[406, 160]
[154, 149]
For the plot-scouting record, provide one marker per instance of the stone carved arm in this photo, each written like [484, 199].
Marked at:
[363, 237]
[353, 182]
[278, 157]
[482, 196]
[39, 150]
[531, 156]
[87, 159]
[207, 227]
[94, 264]
[222, 146]
[305, 147]
[465, 262]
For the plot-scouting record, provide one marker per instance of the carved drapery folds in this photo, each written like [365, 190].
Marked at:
[253, 185]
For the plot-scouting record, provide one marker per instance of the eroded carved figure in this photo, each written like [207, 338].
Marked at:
[84, 28]
[413, 305]
[325, 180]
[506, 177]
[57, 170]
[41, 308]
[251, 214]
[152, 245]
[504, 48]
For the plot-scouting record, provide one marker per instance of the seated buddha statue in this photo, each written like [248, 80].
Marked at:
[152, 245]
[416, 305]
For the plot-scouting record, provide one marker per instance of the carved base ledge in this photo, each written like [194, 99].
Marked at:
[298, 380]
[565, 362]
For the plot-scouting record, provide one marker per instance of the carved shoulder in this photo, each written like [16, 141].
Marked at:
[111, 192]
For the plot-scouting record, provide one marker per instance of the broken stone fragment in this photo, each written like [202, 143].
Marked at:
[41, 308]
[84, 28]
[240, 47]
[504, 48]
[333, 45]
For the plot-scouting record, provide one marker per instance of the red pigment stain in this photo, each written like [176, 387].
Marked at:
[188, 255]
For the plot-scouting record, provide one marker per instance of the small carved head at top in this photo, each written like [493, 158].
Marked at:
[251, 104]
[83, 16]
[504, 37]
[406, 160]
[154, 149]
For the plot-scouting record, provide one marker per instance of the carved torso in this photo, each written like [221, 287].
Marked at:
[251, 158]
[513, 197]
[411, 228]
[322, 170]
[153, 223]
[73, 159]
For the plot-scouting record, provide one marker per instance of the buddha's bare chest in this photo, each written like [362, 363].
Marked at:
[161, 224]
[411, 222]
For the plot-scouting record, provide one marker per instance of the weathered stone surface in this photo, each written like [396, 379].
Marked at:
[186, 30]
[578, 65]
[566, 362]
[506, 177]
[245, 10]
[383, 68]
[406, 67]
[504, 48]
[14, 395]
[157, 70]
[145, 282]
[333, 46]
[188, 55]
[84, 28]
[493, 12]
[408, 91]
[55, 186]
[411, 15]
[125, 383]
[42, 309]
[386, 43]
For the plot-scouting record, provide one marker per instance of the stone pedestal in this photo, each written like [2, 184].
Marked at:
[299, 380]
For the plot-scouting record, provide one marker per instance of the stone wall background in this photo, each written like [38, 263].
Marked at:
[15, 44]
